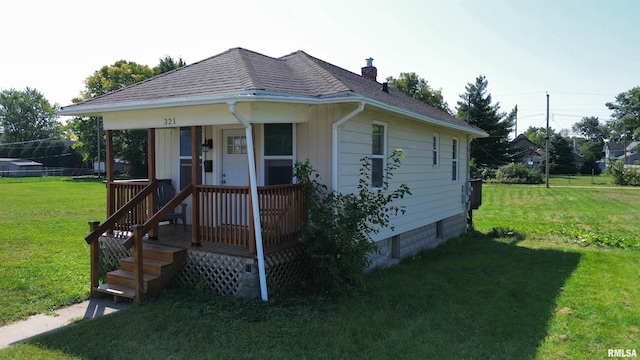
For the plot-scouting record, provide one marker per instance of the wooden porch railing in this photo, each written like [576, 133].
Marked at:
[225, 214]
[122, 192]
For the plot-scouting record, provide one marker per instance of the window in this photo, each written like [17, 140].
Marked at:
[185, 155]
[454, 160]
[278, 154]
[378, 154]
[436, 148]
[236, 145]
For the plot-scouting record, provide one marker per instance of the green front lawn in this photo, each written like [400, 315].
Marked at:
[44, 261]
[529, 291]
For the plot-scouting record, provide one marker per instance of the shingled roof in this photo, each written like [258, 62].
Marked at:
[243, 73]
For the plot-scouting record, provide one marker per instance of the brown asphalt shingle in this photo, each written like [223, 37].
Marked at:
[242, 71]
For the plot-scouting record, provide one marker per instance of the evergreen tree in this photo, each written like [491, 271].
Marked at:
[560, 156]
[476, 107]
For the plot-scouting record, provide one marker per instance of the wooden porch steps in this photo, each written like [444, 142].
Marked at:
[160, 264]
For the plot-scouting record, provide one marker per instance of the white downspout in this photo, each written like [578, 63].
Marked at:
[334, 144]
[253, 186]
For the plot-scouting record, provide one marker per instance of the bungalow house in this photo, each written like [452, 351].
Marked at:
[225, 132]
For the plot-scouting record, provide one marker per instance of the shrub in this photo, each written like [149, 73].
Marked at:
[517, 173]
[621, 174]
[338, 233]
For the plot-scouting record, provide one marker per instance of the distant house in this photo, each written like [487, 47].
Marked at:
[11, 167]
[627, 152]
[613, 150]
[524, 151]
[226, 131]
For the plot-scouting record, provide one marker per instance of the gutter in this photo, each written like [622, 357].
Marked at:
[334, 144]
[253, 186]
[262, 96]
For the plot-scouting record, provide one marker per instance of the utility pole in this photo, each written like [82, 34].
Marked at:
[546, 163]
[624, 141]
[516, 130]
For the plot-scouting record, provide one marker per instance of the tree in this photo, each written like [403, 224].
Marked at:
[594, 134]
[560, 156]
[590, 129]
[476, 107]
[418, 88]
[130, 145]
[538, 135]
[26, 116]
[167, 64]
[626, 114]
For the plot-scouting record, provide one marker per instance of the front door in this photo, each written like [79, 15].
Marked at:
[235, 164]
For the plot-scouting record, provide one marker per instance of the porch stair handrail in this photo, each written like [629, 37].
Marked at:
[139, 231]
[98, 229]
[121, 213]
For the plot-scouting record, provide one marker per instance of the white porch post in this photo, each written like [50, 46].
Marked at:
[253, 186]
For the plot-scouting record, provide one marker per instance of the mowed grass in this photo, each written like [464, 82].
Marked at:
[607, 215]
[43, 258]
[520, 294]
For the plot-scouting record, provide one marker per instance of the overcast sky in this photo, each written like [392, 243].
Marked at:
[583, 53]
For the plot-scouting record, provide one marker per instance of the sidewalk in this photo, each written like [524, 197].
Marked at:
[41, 324]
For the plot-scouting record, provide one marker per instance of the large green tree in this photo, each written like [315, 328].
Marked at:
[625, 114]
[594, 134]
[27, 116]
[418, 88]
[477, 108]
[130, 145]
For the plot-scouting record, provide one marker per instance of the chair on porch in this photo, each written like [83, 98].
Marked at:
[165, 193]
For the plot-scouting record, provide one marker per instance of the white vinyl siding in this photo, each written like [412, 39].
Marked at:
[434, 196]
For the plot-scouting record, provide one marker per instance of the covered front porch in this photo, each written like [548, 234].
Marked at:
[250, 223]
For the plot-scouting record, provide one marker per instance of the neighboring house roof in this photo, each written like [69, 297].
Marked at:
[614, 146]
[631, 147]
[20, 162]
[522, 147]
[522, 142]
[243, 75]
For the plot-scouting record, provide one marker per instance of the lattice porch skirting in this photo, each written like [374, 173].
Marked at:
[223, 274]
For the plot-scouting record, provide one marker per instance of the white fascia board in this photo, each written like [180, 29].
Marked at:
[262, 96]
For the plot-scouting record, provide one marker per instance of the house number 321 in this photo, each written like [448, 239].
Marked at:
[169, 121]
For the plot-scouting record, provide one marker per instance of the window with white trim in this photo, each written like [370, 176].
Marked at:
[436, 149]
[278, 154]
[454, 159]
[378, 153]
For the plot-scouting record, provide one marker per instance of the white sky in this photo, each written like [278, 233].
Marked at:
[583, 53]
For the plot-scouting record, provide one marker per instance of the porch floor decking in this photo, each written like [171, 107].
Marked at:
[177, 237]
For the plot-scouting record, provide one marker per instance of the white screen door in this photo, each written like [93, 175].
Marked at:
[235, 164]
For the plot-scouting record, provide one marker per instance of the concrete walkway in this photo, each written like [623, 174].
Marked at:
[40, 324]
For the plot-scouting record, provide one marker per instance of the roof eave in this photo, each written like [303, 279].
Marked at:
[261, 96]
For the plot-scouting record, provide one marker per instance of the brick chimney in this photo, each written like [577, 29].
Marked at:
[370, 72]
